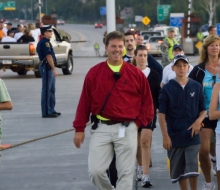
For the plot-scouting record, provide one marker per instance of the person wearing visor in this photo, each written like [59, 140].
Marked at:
[181, 112]
[48, 72]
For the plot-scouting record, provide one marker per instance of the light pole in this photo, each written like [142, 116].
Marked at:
[39, 3]
[46, 6]
[110, 5]
[31, 10]
[158, 3]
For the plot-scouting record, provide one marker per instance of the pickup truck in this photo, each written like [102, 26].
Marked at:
[23, 57]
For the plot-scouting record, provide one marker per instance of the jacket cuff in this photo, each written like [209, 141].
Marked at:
[138, 123]
[79, 129]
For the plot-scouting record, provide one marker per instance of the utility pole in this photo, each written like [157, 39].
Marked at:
[158, 3]
[31, 9]
[188, 39]
[111, 26]
[46, 6]
[39, 3]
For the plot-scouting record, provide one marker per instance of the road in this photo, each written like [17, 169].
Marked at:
[54, 163]
[89, 33]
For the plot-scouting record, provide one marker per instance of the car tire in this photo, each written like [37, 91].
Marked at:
[37, 72]
[22, 72]
[68, 65]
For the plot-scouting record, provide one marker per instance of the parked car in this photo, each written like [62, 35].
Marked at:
[23, 57]
[153, 45]
[98, 25]
[147, 34]
[60, 22]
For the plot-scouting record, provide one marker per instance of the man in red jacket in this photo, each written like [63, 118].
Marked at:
[118, 96]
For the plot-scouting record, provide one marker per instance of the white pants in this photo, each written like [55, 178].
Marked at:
[104, 142]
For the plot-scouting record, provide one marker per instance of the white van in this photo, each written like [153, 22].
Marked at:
[165, 28]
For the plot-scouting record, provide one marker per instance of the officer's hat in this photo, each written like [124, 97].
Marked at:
[46, 28]
[170, 29]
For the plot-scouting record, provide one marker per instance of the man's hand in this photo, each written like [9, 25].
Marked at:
[55, 73]
[78, 139]
[167, 144]
[196, 126]
[3, 146]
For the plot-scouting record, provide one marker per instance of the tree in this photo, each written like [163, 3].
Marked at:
[210, 7]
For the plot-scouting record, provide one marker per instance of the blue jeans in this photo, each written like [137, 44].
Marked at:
[48, 90]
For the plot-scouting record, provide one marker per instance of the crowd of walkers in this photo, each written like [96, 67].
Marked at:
[185, 99]
[25, 34]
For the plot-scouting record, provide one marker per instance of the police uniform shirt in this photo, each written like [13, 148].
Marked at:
[44, 48]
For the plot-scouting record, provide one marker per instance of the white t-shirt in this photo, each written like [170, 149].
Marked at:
[38, 31]
[146, 71]
[18, 35]
[8, 39]
[35, 35]
[5, 30]
[169, 74]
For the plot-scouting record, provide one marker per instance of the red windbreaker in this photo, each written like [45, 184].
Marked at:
[130, 99]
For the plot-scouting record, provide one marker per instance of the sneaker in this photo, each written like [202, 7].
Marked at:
[146, 182]
[208, 187]
[213, 167]
[139, 173]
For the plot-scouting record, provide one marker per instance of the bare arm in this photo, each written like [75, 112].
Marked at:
[167, 144]
[213, 112]
[51, 62]
[6, 105]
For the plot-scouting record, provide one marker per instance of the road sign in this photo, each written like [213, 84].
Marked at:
[10, 6]
[146, 20]
[176, 19]
[162, 12]
[102, 11]
[2, 6]
[198, 45]
[218, 29]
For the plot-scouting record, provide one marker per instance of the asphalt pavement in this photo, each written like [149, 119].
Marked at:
[54, 163]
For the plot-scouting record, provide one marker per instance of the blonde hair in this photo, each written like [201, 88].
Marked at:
[203, 53]
[31, 26]
[27, 31]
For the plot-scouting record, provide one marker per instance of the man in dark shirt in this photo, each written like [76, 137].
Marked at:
[48, 72]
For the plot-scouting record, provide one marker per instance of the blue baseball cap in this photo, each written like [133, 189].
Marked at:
[180, 57]
[177, 46]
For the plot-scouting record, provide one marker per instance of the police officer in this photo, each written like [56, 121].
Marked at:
[167, 47]
[48, 72]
